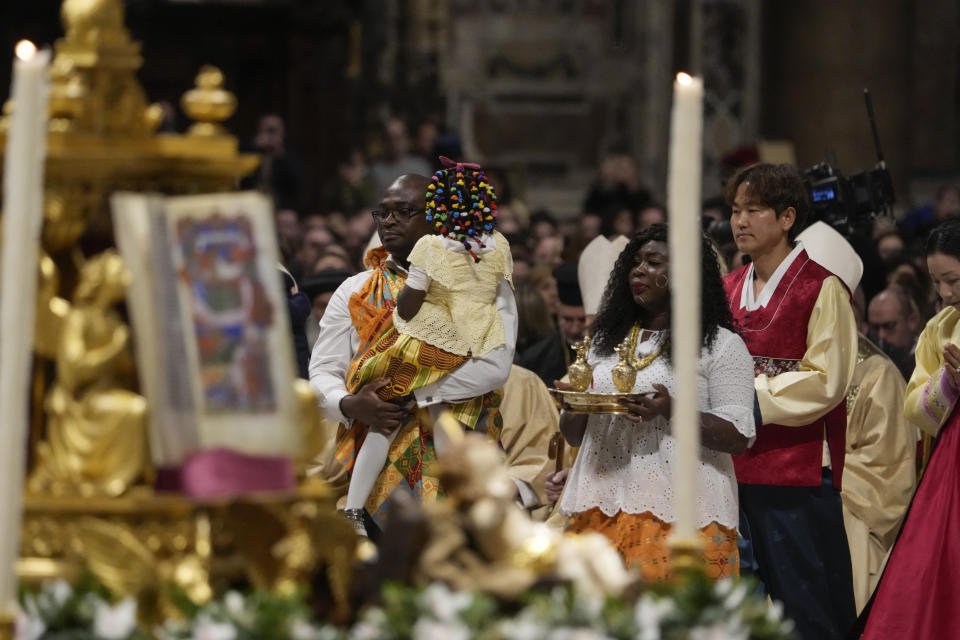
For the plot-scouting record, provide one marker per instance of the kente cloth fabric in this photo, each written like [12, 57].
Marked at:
[407, 362]
[919, 591]
[802, 335]
[459, 312]
[799, 543]
[879, 473]
[627, 466]
[930, 398]
[641, 538]
[410, 364]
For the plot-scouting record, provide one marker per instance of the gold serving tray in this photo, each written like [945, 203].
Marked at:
[589, 402]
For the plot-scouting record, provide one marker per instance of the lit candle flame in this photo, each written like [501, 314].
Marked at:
[684, 78]
[25, 50]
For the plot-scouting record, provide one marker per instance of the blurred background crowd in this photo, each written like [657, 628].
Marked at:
[323, 248]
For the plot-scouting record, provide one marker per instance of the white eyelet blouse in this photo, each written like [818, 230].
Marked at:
[627, 466]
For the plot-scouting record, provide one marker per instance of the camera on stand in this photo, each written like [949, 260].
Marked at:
[850, 203]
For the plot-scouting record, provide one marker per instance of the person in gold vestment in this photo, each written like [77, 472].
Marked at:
[880, 471]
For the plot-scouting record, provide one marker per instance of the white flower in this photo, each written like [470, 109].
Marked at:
[206, 629]
[775, 611]
[577, 633]
[234, 603]
[116, 622]
[328, 632]
[523, 628]
[649, 615]
[444, 604]
[426, 629]
[59, 592]
[302, 630]
[726, 630]
[32, 609]
[50, 601]
[735, 598]
[29, 627]
[172, 630]
[723, 587]
[365, 631]
[593, 567]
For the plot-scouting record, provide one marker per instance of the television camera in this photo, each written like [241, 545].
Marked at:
[849, 203]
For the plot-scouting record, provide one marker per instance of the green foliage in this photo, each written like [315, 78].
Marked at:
[687, 609]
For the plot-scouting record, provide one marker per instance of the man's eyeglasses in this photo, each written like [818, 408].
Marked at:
[401, 215]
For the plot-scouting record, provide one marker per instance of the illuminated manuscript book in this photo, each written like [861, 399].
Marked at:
[213, 338]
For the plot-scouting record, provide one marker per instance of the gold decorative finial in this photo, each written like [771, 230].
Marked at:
[209, 103]
[94, 89]
[581, 373]
[91, 21]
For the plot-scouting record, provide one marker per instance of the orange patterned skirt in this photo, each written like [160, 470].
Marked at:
[642, 541]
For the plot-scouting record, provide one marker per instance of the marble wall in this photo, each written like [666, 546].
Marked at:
[542, 88]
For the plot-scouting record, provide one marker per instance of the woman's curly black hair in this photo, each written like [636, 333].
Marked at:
[618, 311]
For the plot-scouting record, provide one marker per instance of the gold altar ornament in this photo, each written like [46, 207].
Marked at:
[90, 502]
[96, 428]
[479, 539]
[209, 103]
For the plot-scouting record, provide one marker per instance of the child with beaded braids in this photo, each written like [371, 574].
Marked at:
[446, 311]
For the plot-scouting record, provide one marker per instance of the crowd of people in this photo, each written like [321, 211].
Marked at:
[809, 460]
[322, 245]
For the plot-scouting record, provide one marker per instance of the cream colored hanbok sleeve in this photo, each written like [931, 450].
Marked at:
[930, 398]
[798, 398]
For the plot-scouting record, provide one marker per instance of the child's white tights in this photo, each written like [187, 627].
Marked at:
[373, 454]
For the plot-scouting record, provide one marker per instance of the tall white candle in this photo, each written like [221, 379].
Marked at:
[22, 217]
[683, 203]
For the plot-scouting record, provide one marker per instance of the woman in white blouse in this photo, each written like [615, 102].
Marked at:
[621, 484]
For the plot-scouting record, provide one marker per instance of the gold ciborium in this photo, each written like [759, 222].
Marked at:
[624, 374]
[580, 372]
